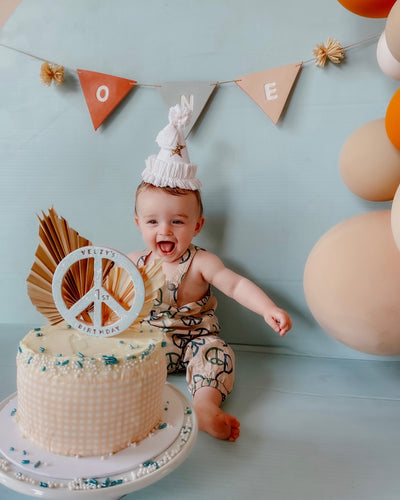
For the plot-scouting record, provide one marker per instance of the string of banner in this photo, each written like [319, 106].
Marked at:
[269, 88]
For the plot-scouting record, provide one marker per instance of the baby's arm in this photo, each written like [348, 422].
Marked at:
[243, 291]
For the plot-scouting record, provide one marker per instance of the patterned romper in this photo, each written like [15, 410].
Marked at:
[191, 333]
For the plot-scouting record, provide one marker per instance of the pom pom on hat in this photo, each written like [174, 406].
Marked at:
[172, 167]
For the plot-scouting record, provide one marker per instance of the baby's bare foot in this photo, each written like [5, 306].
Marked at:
[213, 420]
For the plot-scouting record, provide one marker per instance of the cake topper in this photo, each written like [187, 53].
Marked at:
[97, 290]
[108, 316]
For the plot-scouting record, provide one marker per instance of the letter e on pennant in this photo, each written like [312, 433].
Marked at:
[102, 93]
[270, 88]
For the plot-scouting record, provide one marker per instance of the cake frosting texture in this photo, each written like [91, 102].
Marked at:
[82, 395]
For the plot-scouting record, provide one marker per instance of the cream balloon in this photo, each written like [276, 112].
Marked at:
[352, 284]
[392, 30]
[395, 218]
[386, 61]
[369, 163]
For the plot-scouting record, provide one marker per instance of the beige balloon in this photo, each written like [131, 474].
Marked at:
[392, 30]
[352, 284]
[369, 163]
[395, 218]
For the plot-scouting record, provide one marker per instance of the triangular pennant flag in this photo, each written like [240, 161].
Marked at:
[6, 9]
[192, 94]
[270, 88]
[103, 93]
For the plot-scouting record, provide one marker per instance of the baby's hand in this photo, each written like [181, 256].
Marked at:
[279, 320]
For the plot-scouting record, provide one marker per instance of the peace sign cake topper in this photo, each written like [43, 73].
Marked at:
[98, 295]
[95, 289]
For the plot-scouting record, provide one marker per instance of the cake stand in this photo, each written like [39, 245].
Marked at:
[32, 471]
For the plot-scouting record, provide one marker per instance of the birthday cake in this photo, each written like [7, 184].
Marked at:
[88, 390]
[83, 395]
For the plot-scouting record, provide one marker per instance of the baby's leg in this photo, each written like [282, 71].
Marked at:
[207, 402]
[210, 375]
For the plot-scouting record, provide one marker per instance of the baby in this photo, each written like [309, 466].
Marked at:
[169, 214]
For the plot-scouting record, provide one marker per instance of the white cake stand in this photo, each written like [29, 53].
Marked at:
[30, 470]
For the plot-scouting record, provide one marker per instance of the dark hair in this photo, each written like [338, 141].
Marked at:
[145, 186]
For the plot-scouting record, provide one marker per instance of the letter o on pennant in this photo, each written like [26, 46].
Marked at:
[102, 93]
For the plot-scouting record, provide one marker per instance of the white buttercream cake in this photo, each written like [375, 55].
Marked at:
[81, 395]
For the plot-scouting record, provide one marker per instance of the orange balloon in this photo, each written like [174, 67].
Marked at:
[392, 120]
[352, 284]
[368, 8]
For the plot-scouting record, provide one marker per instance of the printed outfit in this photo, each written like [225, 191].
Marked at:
[191, 333]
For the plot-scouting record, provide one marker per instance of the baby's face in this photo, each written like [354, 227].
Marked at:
[168, 223]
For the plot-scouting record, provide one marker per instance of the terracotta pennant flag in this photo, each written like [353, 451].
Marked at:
[192, 94]
[270, 88]
[103, 93]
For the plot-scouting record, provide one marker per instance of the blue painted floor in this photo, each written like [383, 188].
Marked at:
[311, 429]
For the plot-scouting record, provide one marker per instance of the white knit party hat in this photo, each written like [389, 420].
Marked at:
[172, 167]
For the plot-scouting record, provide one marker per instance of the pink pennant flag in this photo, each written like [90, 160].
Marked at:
[7, 7]
[270, 88]
[103, 93]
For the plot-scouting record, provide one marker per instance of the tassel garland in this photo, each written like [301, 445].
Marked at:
[332, 50]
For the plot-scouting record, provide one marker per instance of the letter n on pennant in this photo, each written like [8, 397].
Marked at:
[103, 93]
[270, 88]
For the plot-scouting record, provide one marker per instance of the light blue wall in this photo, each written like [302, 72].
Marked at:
[270, 192]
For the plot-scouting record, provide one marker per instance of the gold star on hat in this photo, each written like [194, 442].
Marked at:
[177, 150]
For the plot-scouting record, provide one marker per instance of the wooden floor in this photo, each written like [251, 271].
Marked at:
[311, 429]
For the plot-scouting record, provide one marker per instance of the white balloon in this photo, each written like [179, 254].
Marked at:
[387, 62]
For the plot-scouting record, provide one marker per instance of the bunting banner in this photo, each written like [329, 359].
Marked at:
[270, 88]
[194, 95]
[103, 93]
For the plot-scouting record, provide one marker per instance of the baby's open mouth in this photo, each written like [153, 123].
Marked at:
[166, 247]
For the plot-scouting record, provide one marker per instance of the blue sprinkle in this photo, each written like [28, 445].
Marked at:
[121, 342]
[19, 349]
[43, 368]
[29, 360]
[149, 463]
[106, 483]
[43, 485]
[25, 462]
[12, 448]
[115, 482]
[37, 464]
[162, 426]
[39, 334]
[24, 452]
[57, 363]
[110, 360]
[78, 363]
[163, 343]
[36, 329]
[93, 481]
[59, 355]
[130, 346]
[42, 349]
[13, 412]
[69, 326]
[65, 362]
[80, 354]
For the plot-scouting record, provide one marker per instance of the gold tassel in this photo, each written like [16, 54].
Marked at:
[50, 72]
[332, 50]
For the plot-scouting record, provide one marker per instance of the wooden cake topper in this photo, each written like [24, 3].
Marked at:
[100, 301]
[97, 290]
